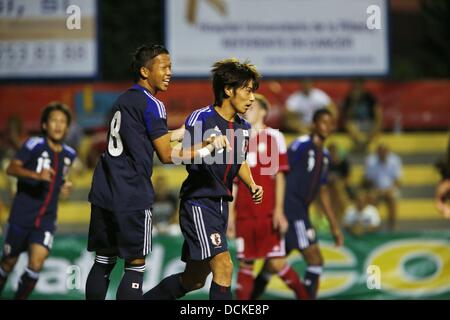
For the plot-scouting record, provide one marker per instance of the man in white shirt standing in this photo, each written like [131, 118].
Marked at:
[301, 105]
[383, 170]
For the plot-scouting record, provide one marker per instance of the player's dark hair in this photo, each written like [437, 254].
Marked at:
[320, 113]
[54, 106]
[143, 55]
[232, 73]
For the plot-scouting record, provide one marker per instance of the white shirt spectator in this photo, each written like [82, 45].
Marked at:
[383, 175]
[368, 217]
[306, 105]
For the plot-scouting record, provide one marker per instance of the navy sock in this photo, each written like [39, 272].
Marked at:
[260, 284]
[3, 279]
[130, 287]
[98, 279]
[218, 292]
[27, 283]
[169, 288]
[312, 276]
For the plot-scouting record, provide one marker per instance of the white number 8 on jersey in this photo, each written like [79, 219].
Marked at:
[115, 145]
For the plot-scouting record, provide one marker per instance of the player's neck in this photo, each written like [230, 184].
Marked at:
[56, 146]
[258, 125]
[317, 140]
[144, 84]
[226, 111]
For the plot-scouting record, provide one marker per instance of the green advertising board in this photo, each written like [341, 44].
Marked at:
[379, 266]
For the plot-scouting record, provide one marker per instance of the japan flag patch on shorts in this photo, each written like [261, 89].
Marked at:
[215, 239]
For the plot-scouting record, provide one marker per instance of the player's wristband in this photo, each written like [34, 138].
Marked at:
[203, 152]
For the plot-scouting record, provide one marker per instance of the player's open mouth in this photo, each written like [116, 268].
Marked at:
[166, 82]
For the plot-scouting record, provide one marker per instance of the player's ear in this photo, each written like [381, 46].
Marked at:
[228, 91]
[144, 72]
[44, 126]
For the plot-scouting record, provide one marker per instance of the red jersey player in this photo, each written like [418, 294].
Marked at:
[259, 228]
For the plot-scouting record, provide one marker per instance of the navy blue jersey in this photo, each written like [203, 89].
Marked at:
[308, 171]
[212, 176]
[36, 202]
[122, 176]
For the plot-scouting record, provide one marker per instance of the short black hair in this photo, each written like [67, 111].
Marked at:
[232, 73]
[319, 113]
[54, 106]
[143, 55]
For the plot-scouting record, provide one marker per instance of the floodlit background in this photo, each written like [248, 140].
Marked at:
[377, 63]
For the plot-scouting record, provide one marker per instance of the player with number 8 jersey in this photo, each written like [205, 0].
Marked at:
[122, 194]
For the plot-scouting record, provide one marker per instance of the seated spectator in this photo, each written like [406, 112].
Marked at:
[442, 197]
[362, 116]
[301, 105]
[165, 208]
[361, 217]
[338, 181]
[383, 171]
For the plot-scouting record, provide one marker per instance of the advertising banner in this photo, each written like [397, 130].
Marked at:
[380, 266]
[283, 37]
[48, 39]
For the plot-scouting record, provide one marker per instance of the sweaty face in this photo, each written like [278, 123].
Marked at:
[323, 126]
[56, 125]
[160, 72]
[242, 98]
[255, 113]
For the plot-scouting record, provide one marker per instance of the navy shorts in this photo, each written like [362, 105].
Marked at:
[17, 239]
[127, 232]
[301, 233]
[203, 222]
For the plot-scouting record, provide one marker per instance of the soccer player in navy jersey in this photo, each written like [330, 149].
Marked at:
[122, 194]
[41, 166]
[208, 188]
[308, 163]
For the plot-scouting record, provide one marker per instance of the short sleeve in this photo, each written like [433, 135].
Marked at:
[373, 216]
[292, 102]
[155, 118]
[322, 98]
[25, 153]
[193, 133]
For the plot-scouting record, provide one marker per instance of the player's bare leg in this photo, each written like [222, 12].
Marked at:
[130, 287]
[314, 261]
[6, 266]
[177, 285]
[195, 274]
[245, 280]
[37, 254]
[222, 269]
[98, 279]
[391, 204]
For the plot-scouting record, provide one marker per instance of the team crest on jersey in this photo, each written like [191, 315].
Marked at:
[311, 234]
[215, 239]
